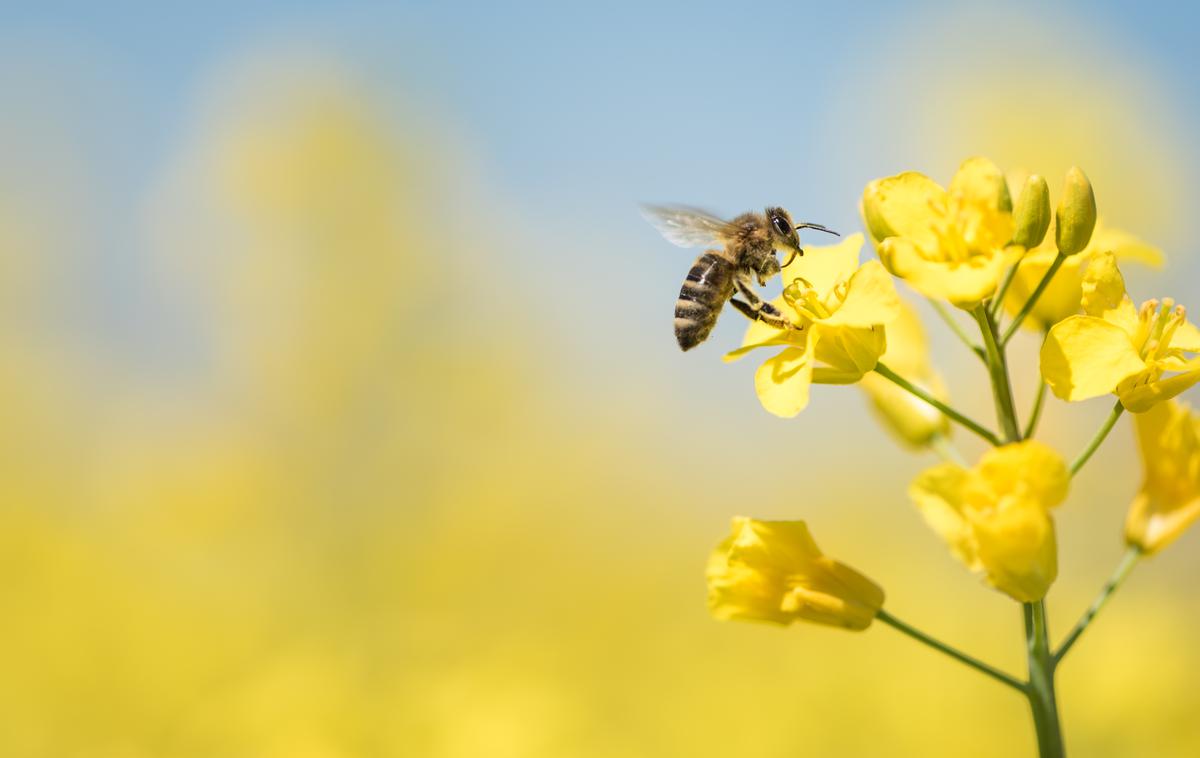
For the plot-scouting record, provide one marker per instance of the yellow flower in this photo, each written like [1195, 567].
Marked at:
[773, 571]
[996, 516]
[839, 309]
[949, 244]
[909, 418]
[1061, 299]
[1169, 501]
[1121, 349]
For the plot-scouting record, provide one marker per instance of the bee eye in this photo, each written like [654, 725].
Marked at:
[781, 226]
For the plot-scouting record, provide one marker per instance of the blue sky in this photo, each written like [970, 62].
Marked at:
[567, 117]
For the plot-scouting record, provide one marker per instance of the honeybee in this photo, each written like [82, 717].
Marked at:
[748, 246]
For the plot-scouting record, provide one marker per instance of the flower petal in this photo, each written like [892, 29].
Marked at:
[825, 266]
[1125, 246]
[938, 494]
[782, 546]
[871, 299]
[907, 345]
[1085, 357]
[1104, 296]
[737, 592]
[1169, 501]
[1018, 549]
[783, 382]
[1030, 469]
[1142, 397]
[963, 283]
[901, 206]
[850, 352]
[1186, 338]
[760, 334]
[979, 181]
[835, 594]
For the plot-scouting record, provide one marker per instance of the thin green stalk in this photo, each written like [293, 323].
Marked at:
[1094, 445]
[949, 412]
[1035, 415]
[942, 445]
[954, 653]
[1128, 561]
[957, 328]
[998, 299]
[1032, 301]
[1042, 700]
[998, 369]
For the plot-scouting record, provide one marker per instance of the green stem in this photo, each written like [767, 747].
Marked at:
[954, 653]
[957, 328]
[1042, 700]
[1087, 453]
[1032, 301]
[998, 299]
[949, 412]
[942, 445]
[1128, 561]
[1035, 415]
[998, 369]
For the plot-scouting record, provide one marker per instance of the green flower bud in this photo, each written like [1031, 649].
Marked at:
[1076, 216]
[1032, 215]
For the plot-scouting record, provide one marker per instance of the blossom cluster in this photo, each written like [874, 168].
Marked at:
[970, 247]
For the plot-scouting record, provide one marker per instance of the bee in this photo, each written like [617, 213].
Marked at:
[748, 246]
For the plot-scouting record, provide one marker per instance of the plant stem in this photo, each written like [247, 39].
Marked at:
[1128, 561]
[1032, 301]
[1040, 688]
[1035, 415]
[1040, 691]
[1109, 423]
[998, 369]
[998, 299]
[954, 653]
[949, 412]
[957, 328]
[942, 445]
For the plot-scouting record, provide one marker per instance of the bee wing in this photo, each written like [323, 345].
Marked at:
[684, 226]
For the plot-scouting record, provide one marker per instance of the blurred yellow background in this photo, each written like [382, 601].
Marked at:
[343, 416]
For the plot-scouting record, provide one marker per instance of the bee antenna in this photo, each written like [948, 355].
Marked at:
[818, 227]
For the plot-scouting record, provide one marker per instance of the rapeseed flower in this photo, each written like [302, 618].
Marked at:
[995, 517]
[1169, 501]
[953, 244]
[839, 309]
[1143, 355]
[773, 571]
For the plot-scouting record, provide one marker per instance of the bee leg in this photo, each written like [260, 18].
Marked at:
[766, 313]
[757, 309]
[745, 308]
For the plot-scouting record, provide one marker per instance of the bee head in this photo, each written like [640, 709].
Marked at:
[783, 232]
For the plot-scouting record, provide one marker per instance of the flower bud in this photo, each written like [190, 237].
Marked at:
[1032, 214]
[773, 571]
[1076, 216]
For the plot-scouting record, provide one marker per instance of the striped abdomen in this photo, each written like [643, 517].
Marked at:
[708, 286]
